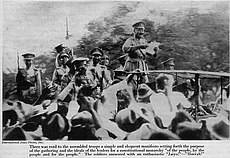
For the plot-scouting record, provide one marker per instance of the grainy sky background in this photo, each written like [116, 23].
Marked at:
[40, 25]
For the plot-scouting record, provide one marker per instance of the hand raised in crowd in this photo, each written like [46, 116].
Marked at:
[91, 105]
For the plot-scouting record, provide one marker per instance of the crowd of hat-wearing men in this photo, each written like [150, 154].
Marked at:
[85, 102]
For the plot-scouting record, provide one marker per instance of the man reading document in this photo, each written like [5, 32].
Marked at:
[137, 47]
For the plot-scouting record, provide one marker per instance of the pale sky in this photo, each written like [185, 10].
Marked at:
[39, 26]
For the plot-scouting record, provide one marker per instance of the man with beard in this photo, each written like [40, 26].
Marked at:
[28, 80]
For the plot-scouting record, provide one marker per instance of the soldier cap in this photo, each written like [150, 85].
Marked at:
[79, 59]
[97, 50]
[138, 25]
[64, 55]
[28, 56]
[123, 57]
[59, 48]
[168, 62]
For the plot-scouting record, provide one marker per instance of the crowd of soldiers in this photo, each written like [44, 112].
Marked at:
[84, 101]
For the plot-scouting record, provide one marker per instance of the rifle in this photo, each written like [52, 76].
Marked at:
[18, 60]
[101, 80]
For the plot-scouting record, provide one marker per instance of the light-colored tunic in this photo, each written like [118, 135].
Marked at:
[161, 105]
[136, 59]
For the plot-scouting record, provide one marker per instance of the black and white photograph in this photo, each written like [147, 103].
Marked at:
[115, 71]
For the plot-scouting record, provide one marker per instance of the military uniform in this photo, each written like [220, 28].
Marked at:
[122, 59]
[103, 75]
[78, 79]
[100, 72]
[59, 49]
[61, 77]
[106, 73]
[136, 58]
[29, 82]
[168, 64]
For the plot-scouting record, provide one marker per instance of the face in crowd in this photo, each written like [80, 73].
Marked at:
[64, 59]
[96, 58]
[105, 60]
[170, 67]
[139, 32]
[80, 67]
[28, 63]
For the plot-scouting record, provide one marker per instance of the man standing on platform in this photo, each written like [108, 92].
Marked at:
[135, 47]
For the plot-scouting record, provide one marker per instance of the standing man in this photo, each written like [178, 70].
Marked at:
[28, 80]
[78, 77]
[107, 73]
[59, 49]
[169, 65]
[135, 47]
[98, 70]
[61, 73]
